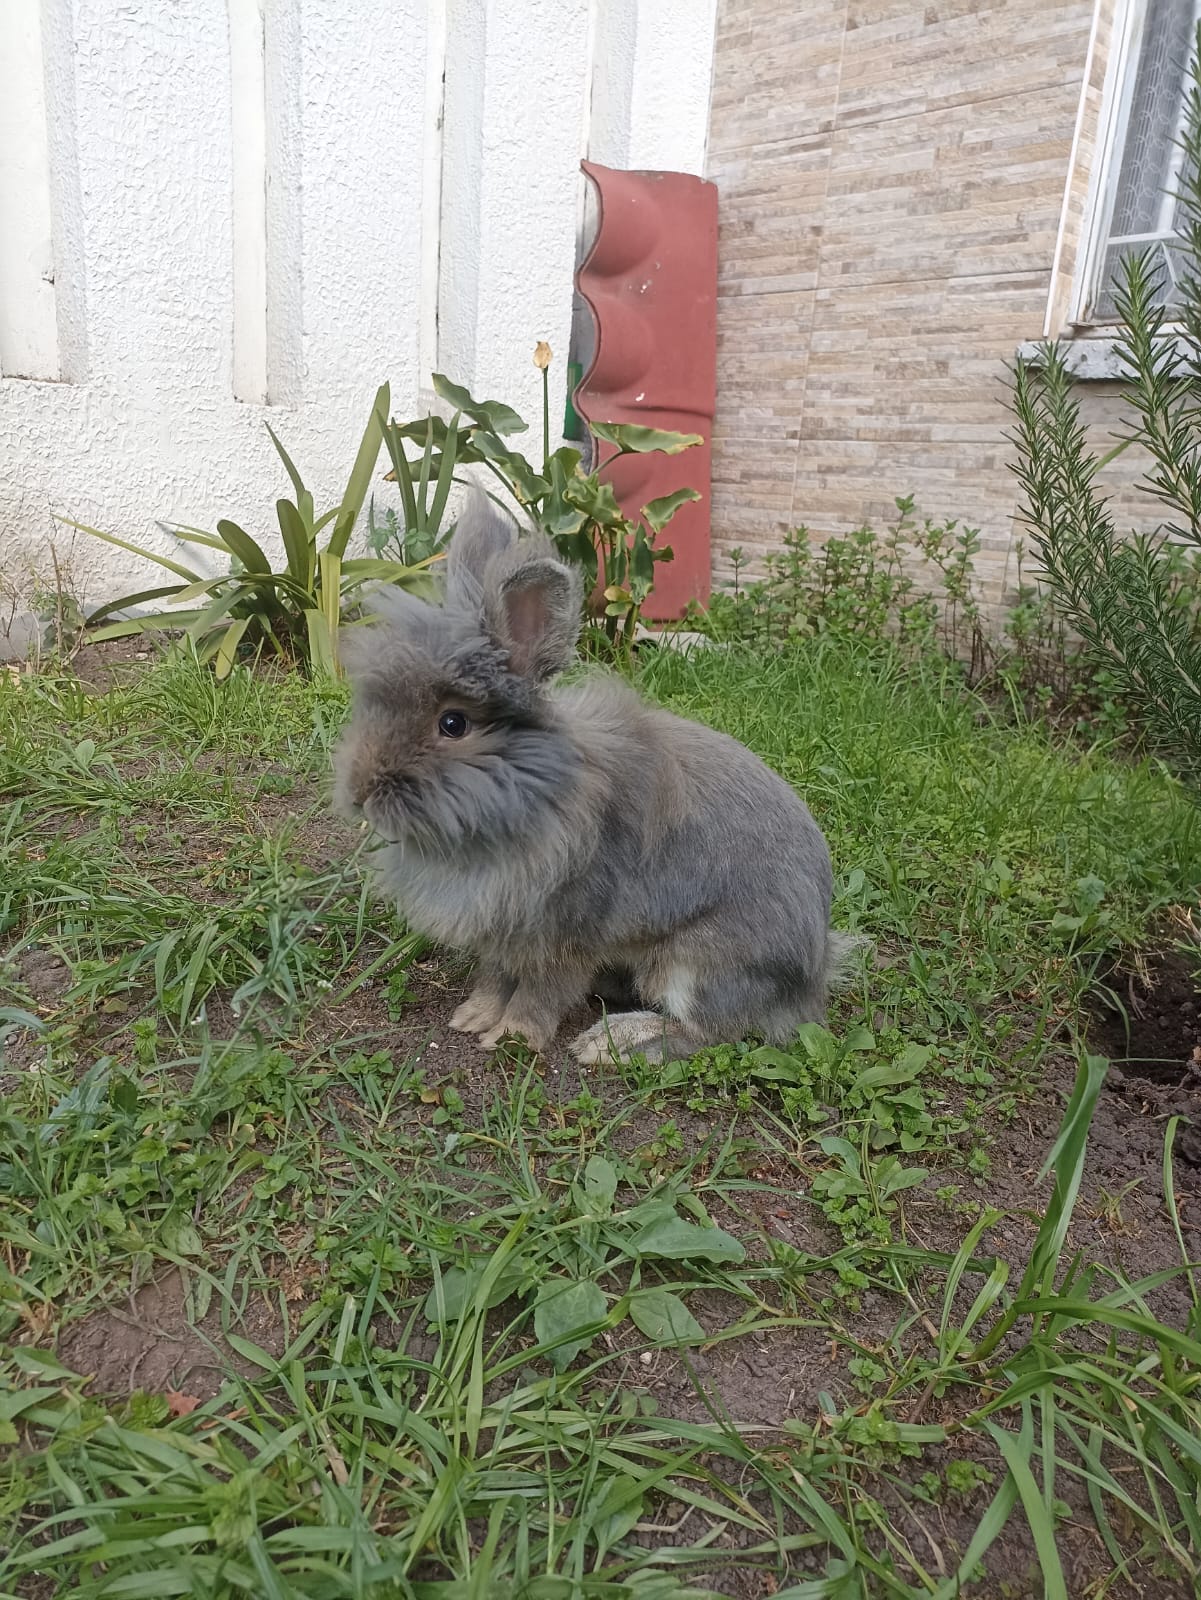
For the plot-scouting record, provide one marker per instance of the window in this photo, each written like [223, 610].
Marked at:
[1137, 210]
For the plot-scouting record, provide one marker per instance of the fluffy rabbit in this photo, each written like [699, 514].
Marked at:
[573, 838]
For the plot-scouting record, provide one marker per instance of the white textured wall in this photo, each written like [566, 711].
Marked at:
[299, 229]
[653, 63]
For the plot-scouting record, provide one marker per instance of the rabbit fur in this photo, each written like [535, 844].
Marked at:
[573, 838]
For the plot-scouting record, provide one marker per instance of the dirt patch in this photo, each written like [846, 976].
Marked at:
[148, 1342]
[114, 661]
[43, 975]
[1148, 1022]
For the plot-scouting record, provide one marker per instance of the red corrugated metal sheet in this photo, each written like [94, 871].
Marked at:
[651, 281]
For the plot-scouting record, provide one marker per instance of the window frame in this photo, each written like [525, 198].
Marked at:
[1117, 98]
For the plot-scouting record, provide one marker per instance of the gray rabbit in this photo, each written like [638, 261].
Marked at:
[574, 839]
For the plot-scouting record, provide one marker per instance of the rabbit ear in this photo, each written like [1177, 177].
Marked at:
[480, 533]
[533, 609]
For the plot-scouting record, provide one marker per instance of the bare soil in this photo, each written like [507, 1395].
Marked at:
[150, 1342]
[1149, 1025]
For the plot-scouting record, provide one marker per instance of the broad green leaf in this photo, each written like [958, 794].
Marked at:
[240, 544]
[600, 1182]
[777, 1067]
[581, 548]
[180, 1237]
[359, 481]
[818, 1043]
[891, 1177]
[664, 1317]
[886, 1075]
[402, 470]
[556, 514]
[449, 438]
[833, 1144]
[378, 569]
[297, 548]
[421, 428]
[460, 1287]
[595, 498]
[529, 486]
[18, 1401]
[670, 1237]
[321, 650]
[227, 650]
[559, 519]
[642, 562]
[613, 1515]
[492, 414]
[633, 439]
[297, 480]
[81, 1103]
[164, 622]
[565, 1313]
[861, 1038]
[660, 512]
[139, 599]
[183, 572]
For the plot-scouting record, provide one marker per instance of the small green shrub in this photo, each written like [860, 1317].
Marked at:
[864, 583]
[1134, 599]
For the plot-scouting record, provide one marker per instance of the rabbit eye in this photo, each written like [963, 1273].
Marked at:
[453, 724]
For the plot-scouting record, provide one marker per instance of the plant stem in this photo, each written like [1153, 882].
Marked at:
[546, 419]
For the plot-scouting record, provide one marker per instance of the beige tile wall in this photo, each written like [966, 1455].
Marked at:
[892, 179]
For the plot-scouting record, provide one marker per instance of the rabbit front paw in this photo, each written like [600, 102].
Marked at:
[482, 1010]
[536, 1035]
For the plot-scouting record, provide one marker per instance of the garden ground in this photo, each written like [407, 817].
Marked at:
[305, 1295]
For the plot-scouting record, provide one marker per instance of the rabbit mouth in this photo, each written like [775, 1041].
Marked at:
[393, 806]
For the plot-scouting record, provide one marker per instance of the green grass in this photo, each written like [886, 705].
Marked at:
[476, 1285]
